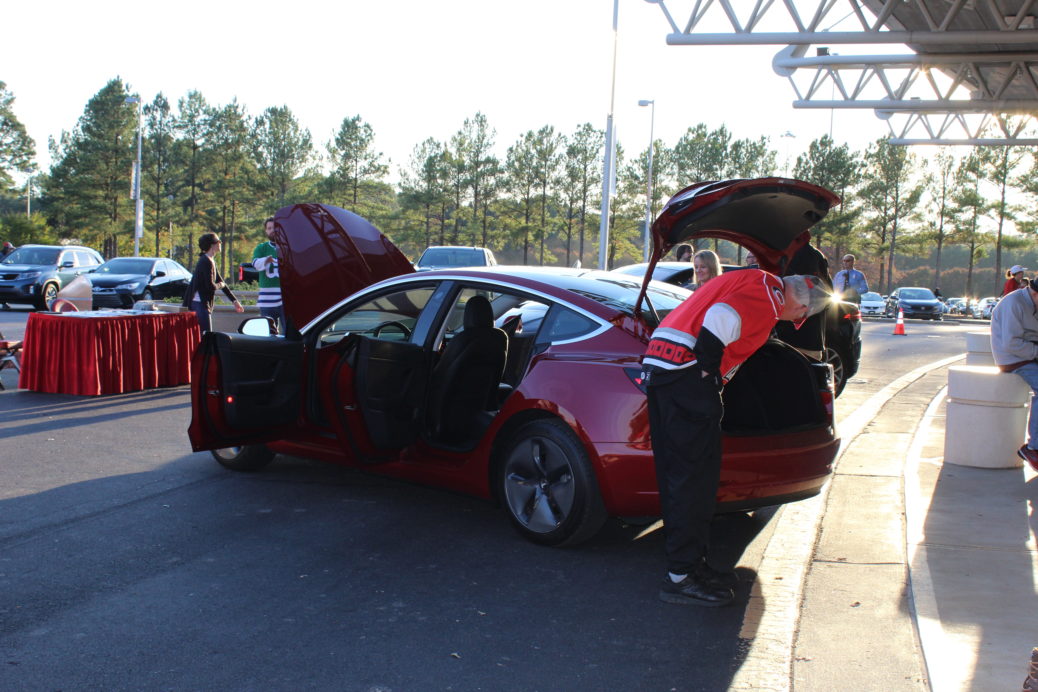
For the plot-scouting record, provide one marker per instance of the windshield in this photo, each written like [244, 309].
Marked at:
[916, 294]
[33, 255]
[125, 265]
[452, 257]
[871, 296]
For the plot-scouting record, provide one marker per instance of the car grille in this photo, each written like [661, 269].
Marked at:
[112, 300]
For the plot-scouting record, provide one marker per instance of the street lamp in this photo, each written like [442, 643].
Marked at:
[138, 222]
[788, 134]
[608, 160]
[648, 183]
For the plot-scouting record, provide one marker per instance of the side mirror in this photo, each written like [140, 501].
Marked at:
[159, 273]
[258, 326]
[67, 264]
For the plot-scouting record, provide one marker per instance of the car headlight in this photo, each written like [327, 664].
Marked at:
[30, 275]
[132, 286]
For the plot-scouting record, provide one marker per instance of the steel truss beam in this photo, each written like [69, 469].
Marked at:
[976, 60]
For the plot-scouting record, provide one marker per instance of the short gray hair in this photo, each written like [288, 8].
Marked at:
[807, 290]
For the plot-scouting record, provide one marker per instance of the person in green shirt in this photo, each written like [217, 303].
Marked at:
[265, 260]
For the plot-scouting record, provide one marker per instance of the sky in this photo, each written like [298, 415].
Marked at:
[412, 69]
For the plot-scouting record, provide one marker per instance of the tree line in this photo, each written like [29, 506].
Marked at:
[216, 168]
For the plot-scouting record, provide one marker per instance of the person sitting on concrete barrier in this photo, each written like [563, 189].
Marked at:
[1014, 348]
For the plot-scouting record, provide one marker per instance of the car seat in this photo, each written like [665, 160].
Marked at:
[464, 385]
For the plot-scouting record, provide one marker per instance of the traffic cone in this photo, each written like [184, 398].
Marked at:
[899, 326]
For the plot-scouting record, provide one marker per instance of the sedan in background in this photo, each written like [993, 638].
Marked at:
[452, 256]
[518, 384]
[872, 303]
[913, 301]
[121, 282]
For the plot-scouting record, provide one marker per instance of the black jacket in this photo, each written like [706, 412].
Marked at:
[204, 281]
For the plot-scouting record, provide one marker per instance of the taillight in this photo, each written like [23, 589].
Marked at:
[827, 397]
[635, 375]
[853, 316]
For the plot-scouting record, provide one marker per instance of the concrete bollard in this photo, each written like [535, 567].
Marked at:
[987, 417]
[978, 348]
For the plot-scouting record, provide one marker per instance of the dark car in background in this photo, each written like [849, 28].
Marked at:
[122, 281]
[33, 274]
[914, 301]
[520, 384]
[453, 256]
[842, 322]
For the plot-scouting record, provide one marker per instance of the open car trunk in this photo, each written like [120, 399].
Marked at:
[776, 390]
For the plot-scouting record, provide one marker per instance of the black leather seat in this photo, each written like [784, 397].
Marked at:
[464, 383]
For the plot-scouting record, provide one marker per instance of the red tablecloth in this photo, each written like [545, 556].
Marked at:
[95, 353]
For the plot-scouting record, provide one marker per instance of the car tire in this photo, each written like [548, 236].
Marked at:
[547, 485]
[246, 458]
[48, 293]
[834, 358]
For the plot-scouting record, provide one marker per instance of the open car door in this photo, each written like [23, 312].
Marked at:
[246, 390]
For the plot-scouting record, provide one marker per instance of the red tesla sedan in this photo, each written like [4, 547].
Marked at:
[518, 384]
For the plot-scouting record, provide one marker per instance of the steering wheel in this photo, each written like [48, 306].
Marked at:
[377, 331]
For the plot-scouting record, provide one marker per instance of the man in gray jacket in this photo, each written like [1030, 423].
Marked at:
[1014, 346]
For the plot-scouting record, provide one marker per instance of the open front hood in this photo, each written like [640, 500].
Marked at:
[767, 215]
[325, 254]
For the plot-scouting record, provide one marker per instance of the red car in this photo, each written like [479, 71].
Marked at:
[518, 384]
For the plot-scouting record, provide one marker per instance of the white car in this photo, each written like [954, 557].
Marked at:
[872, 304]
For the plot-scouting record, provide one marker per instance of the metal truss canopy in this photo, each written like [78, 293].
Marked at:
[975, 62]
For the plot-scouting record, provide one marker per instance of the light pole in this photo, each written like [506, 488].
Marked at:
[138, 221]
[787, 135]
[648, 179]
[607, 160]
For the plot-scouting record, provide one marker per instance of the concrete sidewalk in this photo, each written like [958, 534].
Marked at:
[923, 575]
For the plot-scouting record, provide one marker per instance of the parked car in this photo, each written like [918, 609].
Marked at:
[520, 384]
[957, 306]
[453, 256]
[915, 302]
[985, 306]
[122, 281]
[33, 274]
[872, 303]
[247, 273]
[842, 324]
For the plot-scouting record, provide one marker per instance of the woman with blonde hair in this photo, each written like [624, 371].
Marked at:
[706, 265]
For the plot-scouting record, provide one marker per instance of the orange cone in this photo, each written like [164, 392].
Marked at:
[899, 326]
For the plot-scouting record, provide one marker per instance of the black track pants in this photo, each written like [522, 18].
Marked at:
[685, 423]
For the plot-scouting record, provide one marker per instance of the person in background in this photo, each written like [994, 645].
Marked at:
[7, 249]
[683, 253]
[808, 338]
[265, 260]
[697, 348]
[201, 293]
[1014, 279]
[1014, 347]
[751, 259]
[849, 282]
[707, 266]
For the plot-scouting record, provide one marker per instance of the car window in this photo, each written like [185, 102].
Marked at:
[86, 259]
[916, 294]
[389, 317]
[870, 296]
[563, 324]
[452, 257]
[125, 265]
[33, 255]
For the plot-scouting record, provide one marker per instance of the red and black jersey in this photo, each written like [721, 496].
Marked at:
[739, 308]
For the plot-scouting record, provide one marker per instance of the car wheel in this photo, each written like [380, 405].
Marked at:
[548, 487]
[833, 358]
[147, 295]
[47, 294]
[246, 458]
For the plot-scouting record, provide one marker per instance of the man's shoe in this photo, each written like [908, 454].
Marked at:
[725, 579]
[694, 590]
[1029, 455]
